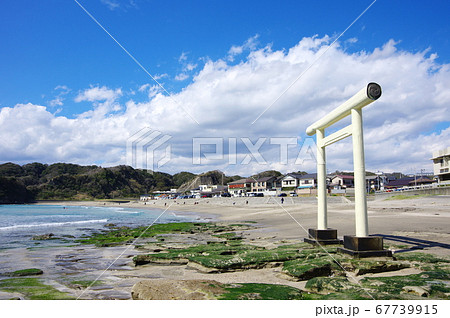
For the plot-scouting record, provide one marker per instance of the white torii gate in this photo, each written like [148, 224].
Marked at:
[352, 107]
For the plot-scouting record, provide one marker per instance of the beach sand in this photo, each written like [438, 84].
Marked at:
[421, 222]
[421, 218]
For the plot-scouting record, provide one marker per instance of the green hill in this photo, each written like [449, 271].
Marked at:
[62, 181]
[14, 191]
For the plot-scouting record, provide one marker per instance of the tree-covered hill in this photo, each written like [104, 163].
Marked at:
[268, 173]
[14, 191]
[62, 181]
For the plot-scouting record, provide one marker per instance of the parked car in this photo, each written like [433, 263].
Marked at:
[282, 195]
[226, 195]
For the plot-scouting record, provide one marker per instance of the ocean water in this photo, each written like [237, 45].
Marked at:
[19, 223]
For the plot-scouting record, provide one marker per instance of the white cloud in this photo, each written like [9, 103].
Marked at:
[187, 67]
[181, 77]
[152, 90]
[59, 99]
[122, 5]
[190, 67]
[111, 4]
[63, 88]
[249, 45]
[183, 57]
[159, 76]
[144, 87]
[104, 101]
[225, 99]
[96, 93]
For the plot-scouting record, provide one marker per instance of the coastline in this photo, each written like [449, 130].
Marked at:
[425, 219]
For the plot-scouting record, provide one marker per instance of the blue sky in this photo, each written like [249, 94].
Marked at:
[55, 56]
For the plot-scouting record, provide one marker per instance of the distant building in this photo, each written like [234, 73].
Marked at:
[263, 184]
[278, 182]
[400, 183]
[307, 184]
[395, 175]
[211, 188]
[240, 187]
[291, 180]
[208, 190]
[342, 181]
[372, 183]
[441, 164]
[420, 181]
[307, 181]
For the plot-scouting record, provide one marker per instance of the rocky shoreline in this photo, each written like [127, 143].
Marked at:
[217, 261]
[250, 253]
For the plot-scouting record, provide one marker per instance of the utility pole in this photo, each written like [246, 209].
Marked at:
[415, 176]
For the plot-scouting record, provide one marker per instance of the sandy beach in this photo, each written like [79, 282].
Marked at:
[424, 218]
[418, 222]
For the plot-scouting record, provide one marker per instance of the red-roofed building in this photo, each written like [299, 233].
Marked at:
[240, 187]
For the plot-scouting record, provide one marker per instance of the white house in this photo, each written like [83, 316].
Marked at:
[342, 181]
[207, 187]
[264, 186]
[307, 181]
[291, 180]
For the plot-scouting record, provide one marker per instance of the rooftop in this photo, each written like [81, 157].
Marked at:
[265, 179]
[441, 153]
[343, 176]
[241, 181]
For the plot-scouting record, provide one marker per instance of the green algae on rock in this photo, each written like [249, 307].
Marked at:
[122, 235]
[32, 288]
[231, 256]
[25, 272]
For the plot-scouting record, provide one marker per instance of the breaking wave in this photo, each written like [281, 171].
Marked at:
[19, 226]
